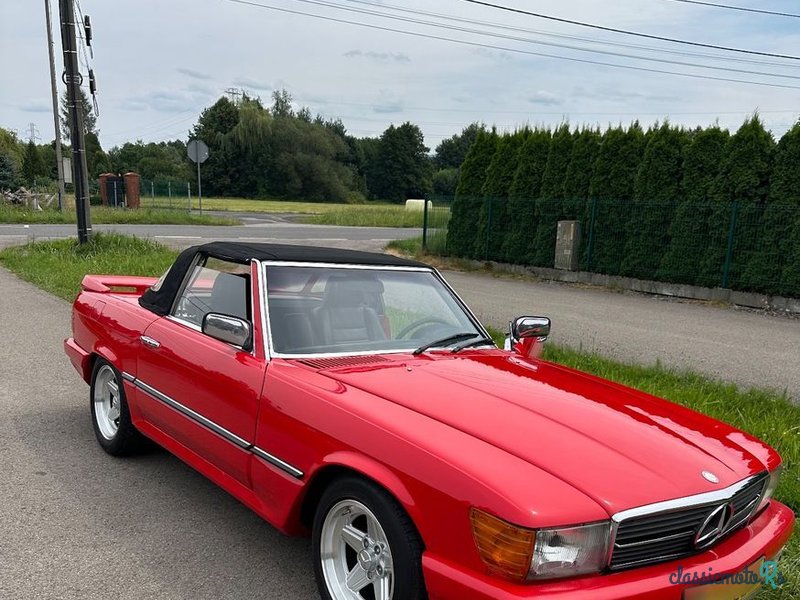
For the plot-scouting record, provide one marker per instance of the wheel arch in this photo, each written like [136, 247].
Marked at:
[352, 464]
[107, 354]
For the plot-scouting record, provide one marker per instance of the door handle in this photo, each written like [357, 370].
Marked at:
[148, 341]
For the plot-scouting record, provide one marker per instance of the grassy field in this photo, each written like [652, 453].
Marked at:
[246, 205]
[104, 214]
[59, 266]
[373, 214]
[359, 215]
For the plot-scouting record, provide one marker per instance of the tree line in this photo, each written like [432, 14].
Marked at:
[259, 151]
[702, 206]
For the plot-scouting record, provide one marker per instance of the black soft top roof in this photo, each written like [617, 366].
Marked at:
[159, 298]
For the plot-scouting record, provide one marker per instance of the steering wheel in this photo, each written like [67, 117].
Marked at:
[402, 334]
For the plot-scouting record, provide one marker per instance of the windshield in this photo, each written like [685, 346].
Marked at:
[344, 310]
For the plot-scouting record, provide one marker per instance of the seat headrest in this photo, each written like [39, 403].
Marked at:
[349, 290]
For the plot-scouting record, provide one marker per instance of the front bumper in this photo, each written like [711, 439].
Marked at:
[764, 537]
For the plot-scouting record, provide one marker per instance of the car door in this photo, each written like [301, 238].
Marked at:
[201, 391]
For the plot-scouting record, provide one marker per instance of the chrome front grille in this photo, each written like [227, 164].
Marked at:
[668, 530]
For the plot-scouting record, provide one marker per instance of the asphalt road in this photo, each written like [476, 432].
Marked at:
[254, 229]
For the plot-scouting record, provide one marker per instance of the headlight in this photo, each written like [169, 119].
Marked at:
[570, 551]
[773, 483]
[518, 553]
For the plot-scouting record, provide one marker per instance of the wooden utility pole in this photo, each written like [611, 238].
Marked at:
[73, 80]
[54, 93]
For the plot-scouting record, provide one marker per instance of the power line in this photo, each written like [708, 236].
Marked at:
[514, 50]
[550, 34]
[549, 44]
[761, 11]
[627, 32]
[560, 112]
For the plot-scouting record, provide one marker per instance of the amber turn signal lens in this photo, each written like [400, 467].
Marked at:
[505, 548]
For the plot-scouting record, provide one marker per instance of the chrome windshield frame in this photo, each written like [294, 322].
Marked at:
[267, 331]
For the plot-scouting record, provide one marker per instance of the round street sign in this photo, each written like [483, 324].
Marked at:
[197, 151]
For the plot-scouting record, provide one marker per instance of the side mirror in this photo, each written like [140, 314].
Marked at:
[527, 327]
[526, 332]
[231, 330]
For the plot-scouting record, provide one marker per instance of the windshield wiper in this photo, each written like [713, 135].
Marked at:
[450, 339]
[470, 343]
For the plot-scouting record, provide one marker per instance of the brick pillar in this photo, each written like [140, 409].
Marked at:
[103, 181]
[132, 189]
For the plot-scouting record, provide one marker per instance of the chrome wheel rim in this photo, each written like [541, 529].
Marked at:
[355, 554]
[106, 402]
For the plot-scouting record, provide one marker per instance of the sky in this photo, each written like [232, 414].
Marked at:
[159, 63]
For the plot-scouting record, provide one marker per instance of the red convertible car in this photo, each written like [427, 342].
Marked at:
[354, 397]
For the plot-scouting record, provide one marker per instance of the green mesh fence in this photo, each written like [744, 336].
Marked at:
[167, 194]
[435, 220]
[740, 246]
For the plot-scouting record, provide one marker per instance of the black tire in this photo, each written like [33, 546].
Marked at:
[405, 546]
[123, 439]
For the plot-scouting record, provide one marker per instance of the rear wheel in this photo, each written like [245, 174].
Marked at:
[111, 419]
[365, 545]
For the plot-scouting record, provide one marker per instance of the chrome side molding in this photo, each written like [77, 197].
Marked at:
[212, 426]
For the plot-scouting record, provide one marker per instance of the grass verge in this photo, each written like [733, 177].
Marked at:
[373, 214]
[106, 215]
[59, 266]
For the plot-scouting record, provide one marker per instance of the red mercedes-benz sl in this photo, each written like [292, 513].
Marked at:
[355, 397]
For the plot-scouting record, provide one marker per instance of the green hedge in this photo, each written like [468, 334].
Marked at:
[700, 207]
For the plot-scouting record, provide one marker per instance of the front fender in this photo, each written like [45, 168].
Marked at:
[372, 469]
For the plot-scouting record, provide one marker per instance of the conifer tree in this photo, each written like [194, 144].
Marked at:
[579, 173]
[657, 192]
[32, 164]
[770, 266]
[521, 211]
[499, 176]
[689, 230]
[463, 225]
[612, 190]
[741, 193]
[549, 204]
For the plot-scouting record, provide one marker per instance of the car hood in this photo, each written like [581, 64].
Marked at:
[620, 447]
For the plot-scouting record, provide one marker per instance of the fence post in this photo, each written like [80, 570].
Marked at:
[169, 192]
[189, 194]
[152, 192]
[726, 269]
[425, 225]
[590, 245]
[488, 229]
